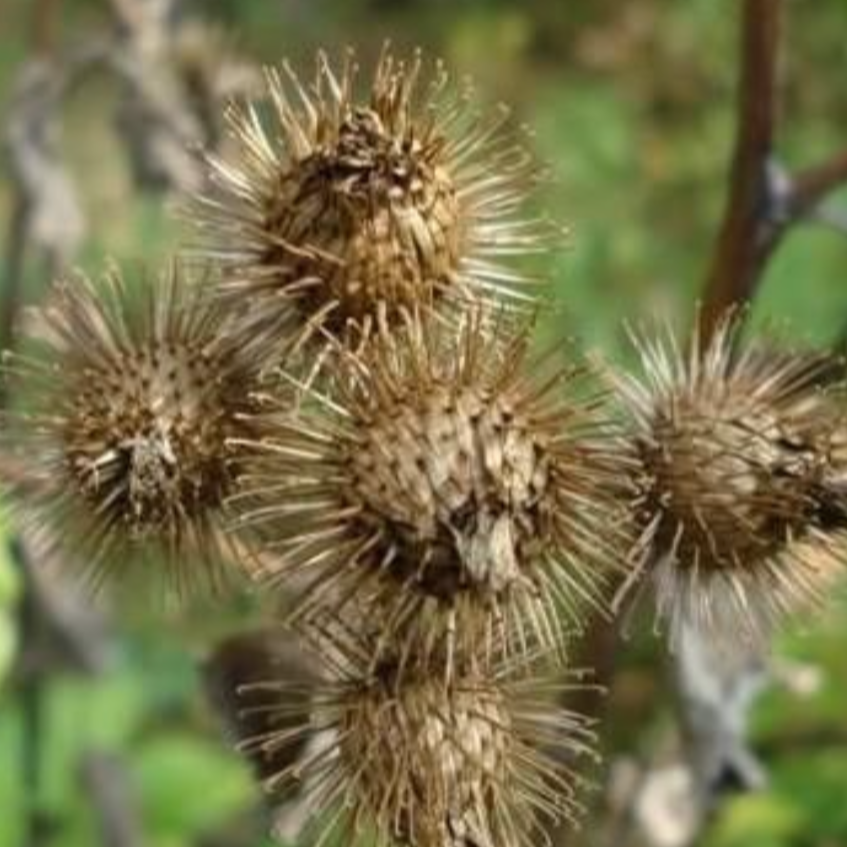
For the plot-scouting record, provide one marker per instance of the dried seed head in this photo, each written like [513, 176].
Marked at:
[345, 207]
[742, 486]
[442, 481]
[418, 762]
[126, 421]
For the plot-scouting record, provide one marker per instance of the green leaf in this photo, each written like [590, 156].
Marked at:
[189, 785]
[757, 820]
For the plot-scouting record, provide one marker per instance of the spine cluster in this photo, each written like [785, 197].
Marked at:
[346, 407]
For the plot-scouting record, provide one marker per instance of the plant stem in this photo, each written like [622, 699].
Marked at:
[743, 246]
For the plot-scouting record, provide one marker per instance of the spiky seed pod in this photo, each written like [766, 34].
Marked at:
[129, 405]
[404, 199]
[414, 761]
[443, 486]
[742, 485]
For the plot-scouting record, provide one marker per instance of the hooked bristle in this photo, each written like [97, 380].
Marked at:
[412, 760]
[444, 488]
[128, 407]
[742, 482]
[405, 199]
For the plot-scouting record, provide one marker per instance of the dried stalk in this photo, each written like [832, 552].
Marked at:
[744, 243]
[765, 199]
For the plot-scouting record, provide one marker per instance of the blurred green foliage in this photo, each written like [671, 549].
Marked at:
[10, 591]
[631, 104]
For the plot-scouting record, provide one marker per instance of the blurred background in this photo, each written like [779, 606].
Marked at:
[106, 736]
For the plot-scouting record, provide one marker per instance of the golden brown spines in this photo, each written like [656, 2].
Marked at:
[412, 760]
[404, 199]
[442, 480]
[129, 410]
[742, 481]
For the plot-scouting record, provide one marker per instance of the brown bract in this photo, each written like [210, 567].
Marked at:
[337, 207]
[443, 487]
[129, 398]
[409, 759]
[742, 482]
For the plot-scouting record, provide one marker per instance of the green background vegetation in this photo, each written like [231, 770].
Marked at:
[632, 106]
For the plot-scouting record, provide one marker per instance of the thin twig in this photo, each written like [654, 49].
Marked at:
[802, 197]
[812, 185]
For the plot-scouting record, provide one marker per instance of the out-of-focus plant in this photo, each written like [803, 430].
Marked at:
[10, 591]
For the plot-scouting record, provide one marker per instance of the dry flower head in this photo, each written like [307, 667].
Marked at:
[129, 407]
[443, 488]
[742, 487]
[414, 761]
[341, 207]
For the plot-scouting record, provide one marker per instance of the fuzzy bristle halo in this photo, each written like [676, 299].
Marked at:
[127, 401]
[405, 199]
[443, 488]
[742, 482]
